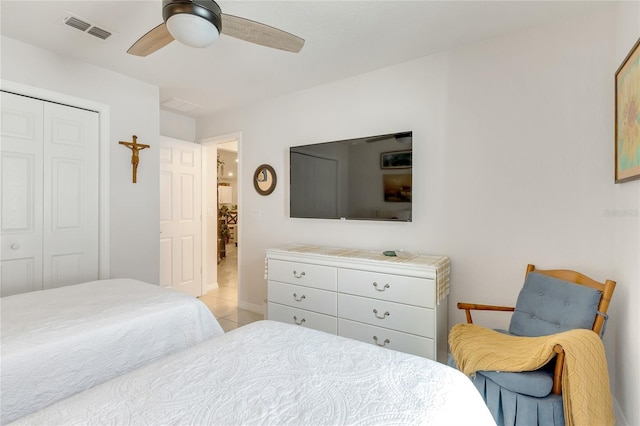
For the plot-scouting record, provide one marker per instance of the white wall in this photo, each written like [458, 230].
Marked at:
[177, 126]
[134, 213]
[626, 218]
[512, 150]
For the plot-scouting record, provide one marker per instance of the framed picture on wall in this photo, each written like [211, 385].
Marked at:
[627, 120]
[396, 160]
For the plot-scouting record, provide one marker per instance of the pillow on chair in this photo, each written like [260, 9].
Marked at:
[547, 305]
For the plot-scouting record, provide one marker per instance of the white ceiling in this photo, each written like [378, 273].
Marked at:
[343, 38]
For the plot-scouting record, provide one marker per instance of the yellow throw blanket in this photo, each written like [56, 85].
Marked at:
[585, 379]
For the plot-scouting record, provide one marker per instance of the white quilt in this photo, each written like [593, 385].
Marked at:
[55, 343]
[275, 374]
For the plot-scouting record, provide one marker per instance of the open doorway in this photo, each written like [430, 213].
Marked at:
[227, 216]
[222, 230]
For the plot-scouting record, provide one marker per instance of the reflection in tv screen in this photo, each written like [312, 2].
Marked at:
[367, 178]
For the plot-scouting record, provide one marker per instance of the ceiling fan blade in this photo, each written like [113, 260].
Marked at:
[154, 40]
[264, 35]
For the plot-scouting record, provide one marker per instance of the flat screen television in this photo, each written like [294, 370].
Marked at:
[368, 178]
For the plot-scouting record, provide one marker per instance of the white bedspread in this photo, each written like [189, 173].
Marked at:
[274, 373]
[58, 342]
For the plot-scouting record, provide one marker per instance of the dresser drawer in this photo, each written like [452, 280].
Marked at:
[326, 323]
[409, 319]
[394, 288]
[389, 339]
[311, 299]
[306, 274]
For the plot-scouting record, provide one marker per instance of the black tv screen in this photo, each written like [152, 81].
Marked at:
[368, 178]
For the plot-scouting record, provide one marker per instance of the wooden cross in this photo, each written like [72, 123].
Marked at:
[135, 147]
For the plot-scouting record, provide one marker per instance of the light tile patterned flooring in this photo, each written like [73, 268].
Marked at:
[223, 301]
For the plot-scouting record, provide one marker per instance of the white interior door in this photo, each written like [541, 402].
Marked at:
[50, 191]
[180, 216]
[21, 153]
[70, 243]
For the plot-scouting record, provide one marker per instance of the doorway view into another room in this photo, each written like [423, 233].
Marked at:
[223, 300]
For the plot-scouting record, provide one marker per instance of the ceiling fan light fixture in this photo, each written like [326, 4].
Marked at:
[198, 23]
[192, 30]
[194, 23]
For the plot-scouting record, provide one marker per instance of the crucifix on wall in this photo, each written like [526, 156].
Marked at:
[135, 148]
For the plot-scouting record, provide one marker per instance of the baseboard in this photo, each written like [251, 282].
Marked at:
[209, 287]
[256, 309]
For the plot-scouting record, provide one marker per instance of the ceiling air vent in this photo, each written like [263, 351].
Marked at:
[179, 105]
[99, 32]
[77, 23]
[87, 27]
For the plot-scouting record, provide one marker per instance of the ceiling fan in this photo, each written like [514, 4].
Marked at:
[198, 23]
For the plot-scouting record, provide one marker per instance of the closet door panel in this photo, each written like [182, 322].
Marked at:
[21, 196]
[71, 187]
[66, 268]
[17, 192]
[17, 276]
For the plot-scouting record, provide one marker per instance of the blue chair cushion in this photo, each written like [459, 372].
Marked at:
[547, 305]
[533, 383]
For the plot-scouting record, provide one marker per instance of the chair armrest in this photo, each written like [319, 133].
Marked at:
[557, 372]
[468, 307]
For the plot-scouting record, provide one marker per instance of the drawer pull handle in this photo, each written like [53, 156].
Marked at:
[298, 275]
[298, 299]
[375, 339]
[386, 314]
[375, 285]
[15, 246]
[302, 321]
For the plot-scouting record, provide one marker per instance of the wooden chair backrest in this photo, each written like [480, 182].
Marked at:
[577, 278]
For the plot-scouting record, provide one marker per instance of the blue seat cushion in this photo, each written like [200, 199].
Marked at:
[533, 383]
[547, 305]
[537, 383]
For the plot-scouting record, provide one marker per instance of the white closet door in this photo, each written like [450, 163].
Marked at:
[49, 183]
[180, 216]
[71, 187]
[21, 156]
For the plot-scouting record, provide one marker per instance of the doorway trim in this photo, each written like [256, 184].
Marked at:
[206, 165]
[104, 119]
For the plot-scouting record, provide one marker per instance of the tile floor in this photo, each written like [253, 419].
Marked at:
[223, 301]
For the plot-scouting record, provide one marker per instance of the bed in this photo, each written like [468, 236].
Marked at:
[57, 342]
[275, 373]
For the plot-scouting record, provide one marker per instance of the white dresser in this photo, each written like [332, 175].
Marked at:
[396, 302]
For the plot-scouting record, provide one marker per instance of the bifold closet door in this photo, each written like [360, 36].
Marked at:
[21, 178]
[49, 184]
[70, 240]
